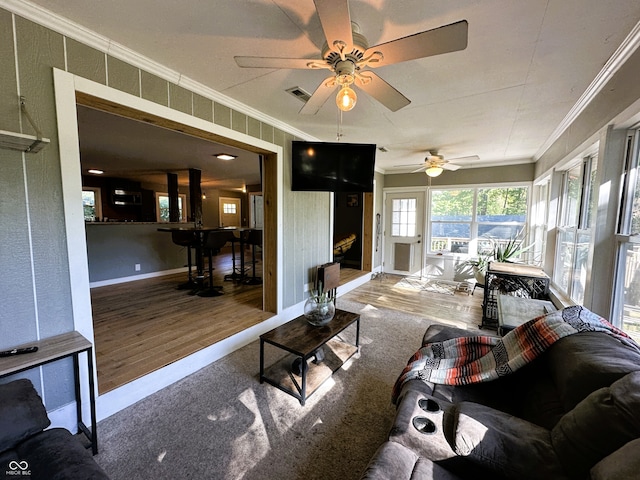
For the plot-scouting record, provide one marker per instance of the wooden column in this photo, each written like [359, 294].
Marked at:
[195, 195]
[172, 191]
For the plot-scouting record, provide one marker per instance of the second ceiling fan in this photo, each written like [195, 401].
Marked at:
[346, 53]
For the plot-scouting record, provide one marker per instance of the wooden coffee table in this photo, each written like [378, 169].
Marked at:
[301, 340]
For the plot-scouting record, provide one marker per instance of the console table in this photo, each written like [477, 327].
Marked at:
[301, 339]
[526, 281]
[50, 349]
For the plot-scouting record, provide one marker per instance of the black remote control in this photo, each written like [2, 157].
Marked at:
[18, 351]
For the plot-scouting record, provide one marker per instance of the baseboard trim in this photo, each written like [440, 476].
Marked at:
[133, 278]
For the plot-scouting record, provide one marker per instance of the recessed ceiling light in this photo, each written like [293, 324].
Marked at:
[225, 156]
[95, 172]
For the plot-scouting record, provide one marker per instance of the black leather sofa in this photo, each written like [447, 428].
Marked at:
[27, 450]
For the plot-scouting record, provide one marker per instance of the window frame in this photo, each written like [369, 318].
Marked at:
[583, 228]
[623, 236]
[474, 223]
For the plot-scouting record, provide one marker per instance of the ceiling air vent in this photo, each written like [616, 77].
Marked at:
[299, 93]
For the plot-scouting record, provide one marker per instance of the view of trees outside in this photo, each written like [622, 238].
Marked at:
[500, 213]
[89, 205]
[163, 202]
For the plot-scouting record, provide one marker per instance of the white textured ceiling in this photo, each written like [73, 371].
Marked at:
[527, 63]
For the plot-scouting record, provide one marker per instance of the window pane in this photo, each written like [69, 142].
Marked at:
[631, 302]
[635, 210]
[452, 205]
[89, 205]
[450, 236]
[403, 217]
[579, 276]
[564, 259]
[163, 203]
[502, 204]
[591, 208]
[571, 198]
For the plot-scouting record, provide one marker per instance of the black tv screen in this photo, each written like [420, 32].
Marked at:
[332, 167]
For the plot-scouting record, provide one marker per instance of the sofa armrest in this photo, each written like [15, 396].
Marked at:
[56, 455]
[22, 413]
[393, 461]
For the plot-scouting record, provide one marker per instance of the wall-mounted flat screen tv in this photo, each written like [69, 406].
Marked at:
[332, 167]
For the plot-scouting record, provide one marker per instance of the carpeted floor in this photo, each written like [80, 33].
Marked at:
[221, 423]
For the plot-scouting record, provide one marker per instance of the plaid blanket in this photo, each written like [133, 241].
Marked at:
[480, 358]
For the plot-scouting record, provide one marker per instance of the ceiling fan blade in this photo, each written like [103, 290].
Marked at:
[382, 91]
[421, 169]
[336, 23]
[445, 39]
[470, 158]
[319, 97]
[449, 166]
[275, 62]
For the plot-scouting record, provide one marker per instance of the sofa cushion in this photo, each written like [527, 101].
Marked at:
[584, 362]
[600, 424]
[509, 446]
[394, 461]
[623, 464]
[22, 413]
[56, 455]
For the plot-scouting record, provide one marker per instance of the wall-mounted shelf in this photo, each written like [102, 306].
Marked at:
[22, 142]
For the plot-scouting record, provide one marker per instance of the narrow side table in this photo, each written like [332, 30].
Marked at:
[50, 349]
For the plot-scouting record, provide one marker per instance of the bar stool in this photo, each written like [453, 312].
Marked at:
[213, 243]
[238, 273]
[189, 240]
[254, 238]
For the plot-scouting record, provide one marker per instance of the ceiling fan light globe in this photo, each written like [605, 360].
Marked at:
[433, 171]
[346, 99]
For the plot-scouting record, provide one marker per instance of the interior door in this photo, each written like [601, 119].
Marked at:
[256, 210]
[403, 248]
[230, 212]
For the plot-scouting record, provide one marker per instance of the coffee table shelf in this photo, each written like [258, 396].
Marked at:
[301, 340]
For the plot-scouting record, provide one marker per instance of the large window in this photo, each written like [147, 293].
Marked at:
[574, 229]
[627, 304]
[162, 207]
[473, 220]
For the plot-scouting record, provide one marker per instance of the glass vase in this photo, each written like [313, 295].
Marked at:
[319, 312]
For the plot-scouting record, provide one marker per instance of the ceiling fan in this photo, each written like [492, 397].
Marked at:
[434, 164]
[347, 54]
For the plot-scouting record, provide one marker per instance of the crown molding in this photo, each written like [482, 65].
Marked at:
[70, 29]
[619, 57]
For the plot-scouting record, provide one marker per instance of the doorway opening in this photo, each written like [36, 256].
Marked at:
[268, 299]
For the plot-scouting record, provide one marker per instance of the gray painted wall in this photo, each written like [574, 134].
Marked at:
[511, 173]
[35, 283]
[113, 250]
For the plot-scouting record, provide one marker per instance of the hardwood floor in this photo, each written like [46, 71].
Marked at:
[390, 291]
[145, 325]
